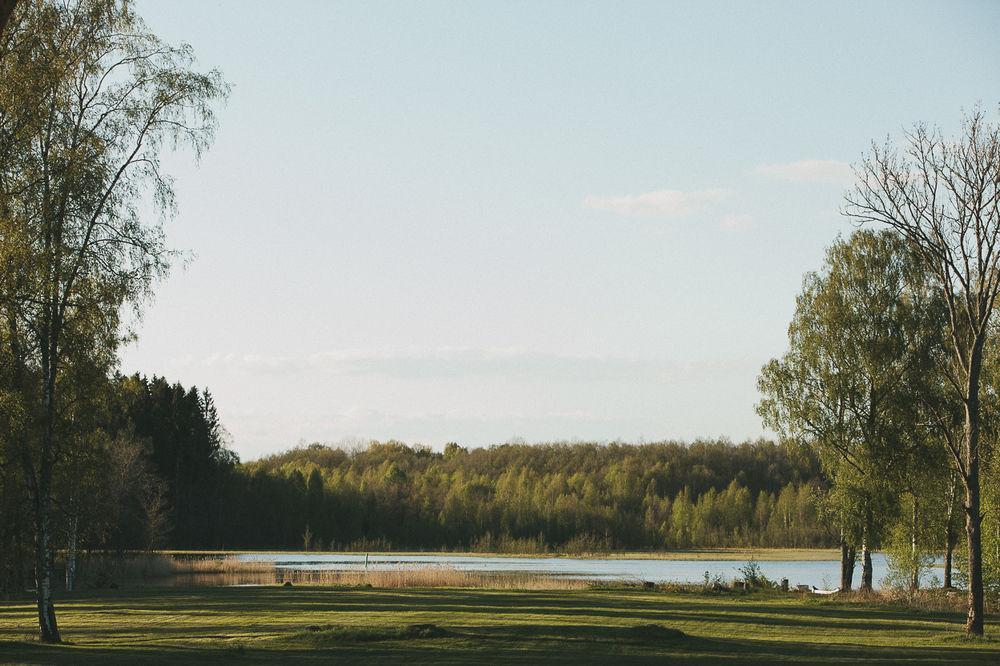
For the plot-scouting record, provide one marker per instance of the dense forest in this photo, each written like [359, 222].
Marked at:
[153, 474]
[534, 498]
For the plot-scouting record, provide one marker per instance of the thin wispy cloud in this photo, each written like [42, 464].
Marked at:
[473, 395]
[809, 171]
[354, 428]
[450, 363]
[659, 204]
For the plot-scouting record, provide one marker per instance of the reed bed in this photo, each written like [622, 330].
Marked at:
[98, 570]
[430, 576]
[218, 565]
[231, 571]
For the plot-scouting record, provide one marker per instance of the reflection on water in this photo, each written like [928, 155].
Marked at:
[220, 579]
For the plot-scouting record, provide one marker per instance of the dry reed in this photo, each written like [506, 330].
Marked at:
[218, 565]
[432, 576]
[924, 599]
[234, 571]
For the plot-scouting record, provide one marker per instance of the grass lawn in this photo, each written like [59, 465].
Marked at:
[320, 624]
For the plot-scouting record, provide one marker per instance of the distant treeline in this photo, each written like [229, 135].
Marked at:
[157, 474]
[519, 497]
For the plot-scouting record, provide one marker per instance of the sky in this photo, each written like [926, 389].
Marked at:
[482, 222]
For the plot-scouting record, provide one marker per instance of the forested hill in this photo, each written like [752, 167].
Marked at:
[577, 496]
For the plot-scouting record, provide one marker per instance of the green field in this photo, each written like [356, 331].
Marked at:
[247, 625]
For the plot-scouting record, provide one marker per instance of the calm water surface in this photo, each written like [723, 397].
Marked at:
[823, 574]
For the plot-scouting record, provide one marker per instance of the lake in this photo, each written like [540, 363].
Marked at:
[824, 574]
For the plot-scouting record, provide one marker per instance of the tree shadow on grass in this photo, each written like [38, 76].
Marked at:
[531, 643]
[480, 633]
[578, 642]
[241, 598]
[622, 606]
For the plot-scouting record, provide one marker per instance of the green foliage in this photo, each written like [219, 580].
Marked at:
[991, 524]
[89, 100]
[753, 575]
[860, 368]
[531, 498]
[911, 546]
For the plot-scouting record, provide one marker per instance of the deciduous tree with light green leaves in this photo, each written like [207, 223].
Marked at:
[89, 99]
[859, 347]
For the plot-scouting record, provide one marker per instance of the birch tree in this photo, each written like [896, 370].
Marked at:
[943, 197]
[89, 99]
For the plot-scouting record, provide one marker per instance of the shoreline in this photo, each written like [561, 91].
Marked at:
[706, 554]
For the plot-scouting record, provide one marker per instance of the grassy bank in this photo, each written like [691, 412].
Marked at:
[430, 625]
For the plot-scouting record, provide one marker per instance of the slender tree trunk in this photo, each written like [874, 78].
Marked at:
[848, 555]
[973, 522]
[866, 569]
[47, 628]
[866, 553]
[973, 515]
[914, 564]
[843, 562]
[71, 553]
[40, 496]
[950, 534]
[851, 562]
[949, 554]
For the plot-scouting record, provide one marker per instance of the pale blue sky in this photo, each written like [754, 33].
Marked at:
[547, 220]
